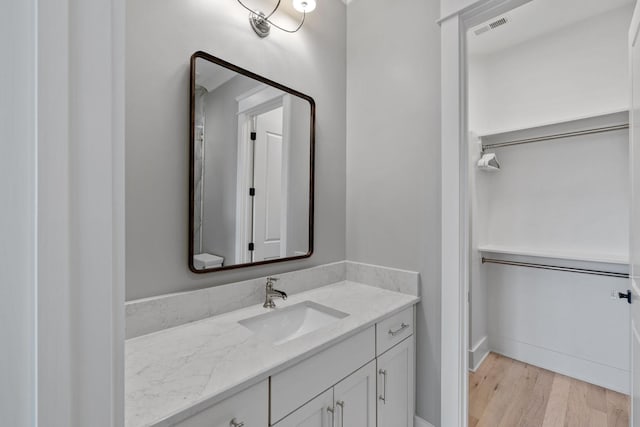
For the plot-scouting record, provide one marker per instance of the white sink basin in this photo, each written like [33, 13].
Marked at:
[284, 324]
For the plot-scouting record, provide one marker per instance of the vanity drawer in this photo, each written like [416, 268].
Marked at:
[299, 384]
[391, 331]
[250, 406]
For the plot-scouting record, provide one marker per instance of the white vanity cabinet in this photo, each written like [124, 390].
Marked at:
[395, 356]
[319, 412]
[249, 408]
[294, 387]
[355, 398]
[364, 381]
[350, 403]
[396, 385]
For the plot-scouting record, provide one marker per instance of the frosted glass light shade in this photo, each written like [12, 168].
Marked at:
[305, 6]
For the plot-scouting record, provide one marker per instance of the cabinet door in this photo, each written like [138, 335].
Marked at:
[250, 407]
[319, 412]
[355, 398]
[396, 386]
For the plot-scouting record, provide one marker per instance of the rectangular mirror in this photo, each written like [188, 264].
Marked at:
[251, 168]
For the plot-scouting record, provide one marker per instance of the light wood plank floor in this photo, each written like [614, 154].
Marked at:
[508, 393]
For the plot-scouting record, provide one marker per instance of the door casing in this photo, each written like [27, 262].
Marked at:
[455, 201]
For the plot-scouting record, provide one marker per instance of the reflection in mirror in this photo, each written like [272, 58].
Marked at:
[252, 144]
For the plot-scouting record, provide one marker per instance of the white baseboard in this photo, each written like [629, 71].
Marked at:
[419, 422]
[478, 353]
[592, 372]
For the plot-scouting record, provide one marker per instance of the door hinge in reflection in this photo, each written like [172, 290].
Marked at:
[250, 246]
[252, 191]
[253, 136]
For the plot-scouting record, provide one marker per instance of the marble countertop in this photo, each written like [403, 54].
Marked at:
[175, 373]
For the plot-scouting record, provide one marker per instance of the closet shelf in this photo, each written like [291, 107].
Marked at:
[622, 259]
[616, 116]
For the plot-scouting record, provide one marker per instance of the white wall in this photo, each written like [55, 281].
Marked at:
[563, 196]
[568, 195]
[393, 159]
[18, 213]
[160, 38]
[565, 322]
[478, 294]
[578, 71]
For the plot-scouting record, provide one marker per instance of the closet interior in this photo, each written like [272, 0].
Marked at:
[548, 125]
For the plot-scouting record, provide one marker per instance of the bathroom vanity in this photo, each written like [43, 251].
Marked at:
[334, 356]
[336, 353]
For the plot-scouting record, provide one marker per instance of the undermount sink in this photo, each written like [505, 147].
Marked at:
[284, 324]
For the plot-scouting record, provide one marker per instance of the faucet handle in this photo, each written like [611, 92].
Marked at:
[270, 282]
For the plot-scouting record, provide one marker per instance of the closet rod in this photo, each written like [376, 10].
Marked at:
[556, 268]
[555, 136]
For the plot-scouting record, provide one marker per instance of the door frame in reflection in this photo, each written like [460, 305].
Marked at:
[250, 106]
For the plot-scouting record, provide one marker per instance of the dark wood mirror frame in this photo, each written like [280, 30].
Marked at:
[312, 104]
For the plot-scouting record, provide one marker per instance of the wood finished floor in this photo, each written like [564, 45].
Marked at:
[507, 393]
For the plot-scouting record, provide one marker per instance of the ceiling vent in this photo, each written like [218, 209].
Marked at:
[491, 26]
[498, 23]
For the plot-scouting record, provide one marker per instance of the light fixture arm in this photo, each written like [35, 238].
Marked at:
[274, 9]
[261, 23]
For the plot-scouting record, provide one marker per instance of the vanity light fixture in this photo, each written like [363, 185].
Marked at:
[261, 23]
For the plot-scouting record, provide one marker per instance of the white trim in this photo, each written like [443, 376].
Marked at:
[81, 213]
[243, 182]
[634, 29]
[635, 25]
[419, 422]
[96, 188]
[605, 376]
[286, 156]
[480, 362]
[478, 354]
[258, 99]
[54, 291]
[455, 212]
[635, 342]
[454, 283]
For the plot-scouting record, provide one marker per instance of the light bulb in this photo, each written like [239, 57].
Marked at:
[305, 6]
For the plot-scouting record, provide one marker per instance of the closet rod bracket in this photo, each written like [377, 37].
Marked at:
[625, 295]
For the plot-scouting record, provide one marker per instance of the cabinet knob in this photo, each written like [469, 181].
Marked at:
[235, 423]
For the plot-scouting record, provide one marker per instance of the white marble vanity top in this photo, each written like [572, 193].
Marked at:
[174, 373]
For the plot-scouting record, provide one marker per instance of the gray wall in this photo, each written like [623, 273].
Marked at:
[161, 36]
[298, 203]
[18, 216]
[221, 168]
[393, 154]
[393, 159]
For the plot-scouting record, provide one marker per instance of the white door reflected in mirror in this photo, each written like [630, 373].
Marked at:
[268, 209]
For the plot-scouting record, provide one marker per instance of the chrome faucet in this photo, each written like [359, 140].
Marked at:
[271, 293]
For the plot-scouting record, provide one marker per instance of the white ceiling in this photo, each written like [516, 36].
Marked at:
[536, 18]
[211, 75]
